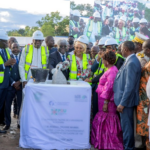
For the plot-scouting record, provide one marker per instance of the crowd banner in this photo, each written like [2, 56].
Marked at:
[56, 116]
[115, 18]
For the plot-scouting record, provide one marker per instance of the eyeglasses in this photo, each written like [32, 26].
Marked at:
[63, 46]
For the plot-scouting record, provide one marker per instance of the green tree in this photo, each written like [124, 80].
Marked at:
[47, 30]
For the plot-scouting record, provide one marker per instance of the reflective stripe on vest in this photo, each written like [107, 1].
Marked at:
[1, 63]
[132, 36]
[73, 69]
[90, 28]
[117, 56]
[29, 56]
[73, 25]
[117, 38]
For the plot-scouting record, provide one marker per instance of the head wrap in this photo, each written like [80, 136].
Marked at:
[82, 44]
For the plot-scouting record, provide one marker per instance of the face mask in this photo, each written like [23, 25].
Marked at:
[70, 42]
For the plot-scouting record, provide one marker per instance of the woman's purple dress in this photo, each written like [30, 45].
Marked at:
[106, 128]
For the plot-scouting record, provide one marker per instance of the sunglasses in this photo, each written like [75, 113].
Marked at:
[64, 46]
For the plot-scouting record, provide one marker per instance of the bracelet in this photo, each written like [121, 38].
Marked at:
[105, 102]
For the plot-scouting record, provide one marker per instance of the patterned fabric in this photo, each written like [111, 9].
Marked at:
[142, 108]
[106, 128]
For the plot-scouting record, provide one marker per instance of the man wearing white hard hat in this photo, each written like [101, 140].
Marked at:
[121, 33]
[5, 67]
[33, 56]
[111, 45]
[97, 6]
[93, 28]
[143, 23]
[135, 28]
[74, 24]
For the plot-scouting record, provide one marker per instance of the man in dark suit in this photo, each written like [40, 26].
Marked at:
[126, 92]
[59, 56]
[15, 89]
[108, 28]
[5, 64]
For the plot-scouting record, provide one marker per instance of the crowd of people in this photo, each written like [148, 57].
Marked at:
[118, 75]
[117, 19]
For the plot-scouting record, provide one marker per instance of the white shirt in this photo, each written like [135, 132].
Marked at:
[61, 55]
[36, 61]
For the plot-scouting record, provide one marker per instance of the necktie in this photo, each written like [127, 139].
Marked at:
[17, 60]
[63, 58]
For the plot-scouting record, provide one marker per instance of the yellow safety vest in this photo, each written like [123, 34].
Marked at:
[73, 25]
[90, 28]
[73, 68]
[29, 56]
[117, 56]
[1, 63]
[117, 37]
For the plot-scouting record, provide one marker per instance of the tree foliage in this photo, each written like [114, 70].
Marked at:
[86, 10]
[51, 25]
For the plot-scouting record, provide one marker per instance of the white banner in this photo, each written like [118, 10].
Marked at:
[56, 116]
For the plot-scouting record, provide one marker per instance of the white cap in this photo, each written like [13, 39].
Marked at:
[123, 18]
[111, 41]
[136, 20]
[76, 13]
[102, 41]
[96, 14]
[136, 9]
[141, 36]
[83, 39]
[38, 35]
[3, 35]
[143, 20]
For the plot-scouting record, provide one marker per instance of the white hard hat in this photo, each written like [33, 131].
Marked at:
[96, 14]
[136, 20]
[143, 20]
[111, 41]
[3, 35]
[136, 9]
[102, 41]
[38, 35]
[109, 4]
[83, 39]
[123, 18]
[76, 13]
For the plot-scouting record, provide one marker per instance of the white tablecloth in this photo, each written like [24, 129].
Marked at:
[56, 116]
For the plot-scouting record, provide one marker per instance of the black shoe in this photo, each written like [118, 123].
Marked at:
[3, 131]
[18, 126]
[6, 127]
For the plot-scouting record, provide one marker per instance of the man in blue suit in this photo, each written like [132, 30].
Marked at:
[126, 92]
[5, 64]
[15, 89]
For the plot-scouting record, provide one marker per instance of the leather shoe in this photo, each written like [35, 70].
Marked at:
[6, 127]
[3, 131]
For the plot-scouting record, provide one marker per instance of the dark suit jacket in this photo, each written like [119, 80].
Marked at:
[15, 76]
[106, 30]
[54, 59]
[6, 70]
[126, 85]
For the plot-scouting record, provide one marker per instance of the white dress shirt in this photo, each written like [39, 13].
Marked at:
[61, 55]
[36, 61]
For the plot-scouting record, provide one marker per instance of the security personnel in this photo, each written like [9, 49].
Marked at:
[135, 28]
[138, 41]
[5, 67]
[74, 24]
[98, 69]
[93, 27]
[33, 55]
